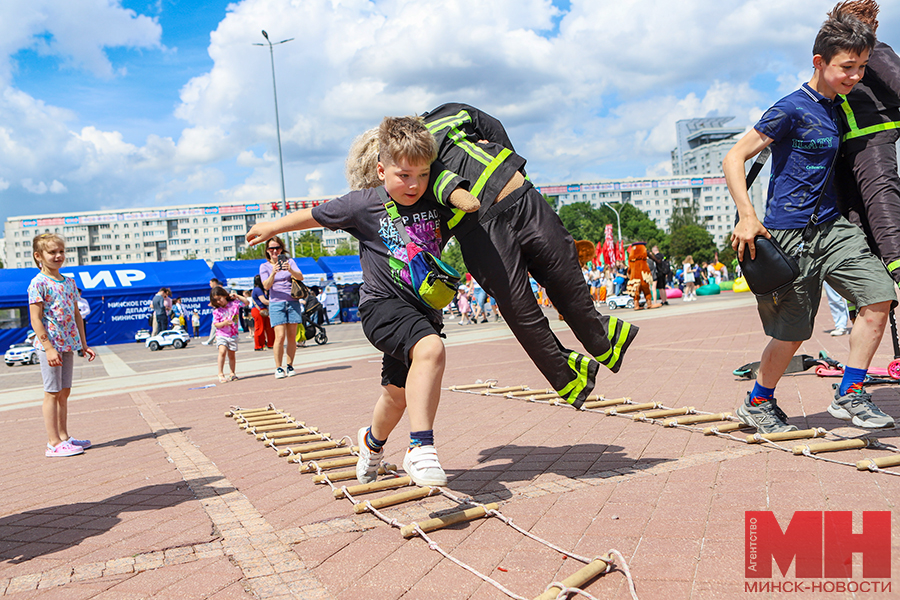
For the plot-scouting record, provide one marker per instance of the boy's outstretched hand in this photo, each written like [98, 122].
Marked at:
[260, 233]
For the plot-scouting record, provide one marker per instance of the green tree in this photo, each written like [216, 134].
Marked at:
[552, 201]
[693, 240]
[584, 221]
[452, 255]
[638, 227]
[308, 244]
[684, 212]
[252, 253]
[345, 248]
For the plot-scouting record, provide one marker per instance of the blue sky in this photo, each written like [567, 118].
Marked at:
[109, 104]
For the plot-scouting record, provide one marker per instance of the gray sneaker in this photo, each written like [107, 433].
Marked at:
[858, 408]
[766, 417]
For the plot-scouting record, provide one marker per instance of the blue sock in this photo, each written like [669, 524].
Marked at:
[852, 375]
[761, 394]
[373, 444]
[421, 438]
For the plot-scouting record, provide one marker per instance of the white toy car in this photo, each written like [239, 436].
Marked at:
[622, 301]
[177, 338]
[21, 353]
[141, 335]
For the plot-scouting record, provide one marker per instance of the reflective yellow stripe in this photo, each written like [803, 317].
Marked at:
[458, 214]
[611, 356]
[855, 130]
[892, 266]
[570, 392]
[489, 170]
[441, 183]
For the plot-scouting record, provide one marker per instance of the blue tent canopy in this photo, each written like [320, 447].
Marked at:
[342, 269]
[239, 274]
[118, 295]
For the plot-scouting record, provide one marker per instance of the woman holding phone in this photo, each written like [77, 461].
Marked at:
[285, 311]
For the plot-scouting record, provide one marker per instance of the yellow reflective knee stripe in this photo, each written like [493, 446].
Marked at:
[856, 131]
[611, 356]
[571, 391]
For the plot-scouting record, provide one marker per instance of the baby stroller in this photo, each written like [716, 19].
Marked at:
[314, 331]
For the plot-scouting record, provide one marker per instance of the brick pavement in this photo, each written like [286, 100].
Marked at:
[176, 502]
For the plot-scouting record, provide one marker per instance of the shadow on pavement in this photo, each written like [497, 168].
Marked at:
[512, 463]
[134, 438]
[36, 533]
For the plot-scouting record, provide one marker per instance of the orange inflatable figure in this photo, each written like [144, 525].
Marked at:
[639, 275]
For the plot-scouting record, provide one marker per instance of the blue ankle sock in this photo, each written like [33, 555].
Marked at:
[373, 444]
[761, 394]
[851, 375]
[421, 438]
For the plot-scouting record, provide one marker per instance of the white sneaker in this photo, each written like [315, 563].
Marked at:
[421, 464]
[838, 331]
[368, 462]
[279, 373]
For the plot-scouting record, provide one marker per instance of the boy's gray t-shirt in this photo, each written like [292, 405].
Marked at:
[381, 252]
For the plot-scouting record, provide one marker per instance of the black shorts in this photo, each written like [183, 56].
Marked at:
[394, 326]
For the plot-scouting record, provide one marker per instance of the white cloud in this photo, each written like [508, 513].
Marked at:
[4, 184]
[597, 98]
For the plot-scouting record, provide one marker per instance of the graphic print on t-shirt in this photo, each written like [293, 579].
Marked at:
[424, 230]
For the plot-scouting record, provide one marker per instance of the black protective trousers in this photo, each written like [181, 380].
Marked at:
[870, 187]
[522, 234]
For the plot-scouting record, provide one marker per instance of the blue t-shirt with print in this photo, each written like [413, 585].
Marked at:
[804, 127]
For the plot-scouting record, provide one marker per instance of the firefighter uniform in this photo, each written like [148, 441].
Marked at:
[514, 233]
[867, 172]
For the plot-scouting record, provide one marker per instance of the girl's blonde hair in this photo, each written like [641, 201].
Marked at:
[41, 242]
[280, 243]
[361, 168]
[689, 259]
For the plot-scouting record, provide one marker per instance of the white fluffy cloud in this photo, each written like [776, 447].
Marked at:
[594, 92]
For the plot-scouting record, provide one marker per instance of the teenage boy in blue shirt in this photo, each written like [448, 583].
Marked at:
[803, 130]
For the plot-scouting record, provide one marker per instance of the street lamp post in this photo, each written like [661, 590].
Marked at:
[277, 124]
[618, 220]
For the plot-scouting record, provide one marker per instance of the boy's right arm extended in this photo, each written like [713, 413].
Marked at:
[36, 311]
[748, 225]
[301, 219]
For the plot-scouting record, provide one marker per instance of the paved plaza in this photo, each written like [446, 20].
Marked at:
[175, 501]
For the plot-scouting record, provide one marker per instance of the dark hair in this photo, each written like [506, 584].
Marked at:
[864, 10]
[218, 292]
[257, 281]
[842, 32]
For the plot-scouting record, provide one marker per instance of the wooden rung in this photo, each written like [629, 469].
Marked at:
[880, 462]
[604, 403]
[345, 475]
[577, 579]
[299, 458]
[384, 501]
[832, 446]
[725, 428]
[800, 434]
[299, 439]
[275, 421]
[280, 433]
[527, 393]
[691, 419]
[662, 414]
[290, 425]
[505, 390]
[469, 514]
[312, 447]
[242, 411]
[376, 486]
[266, 417]
[471, 386]
[254, 413]
[324, 465]
[629, 408]
[550, 396]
